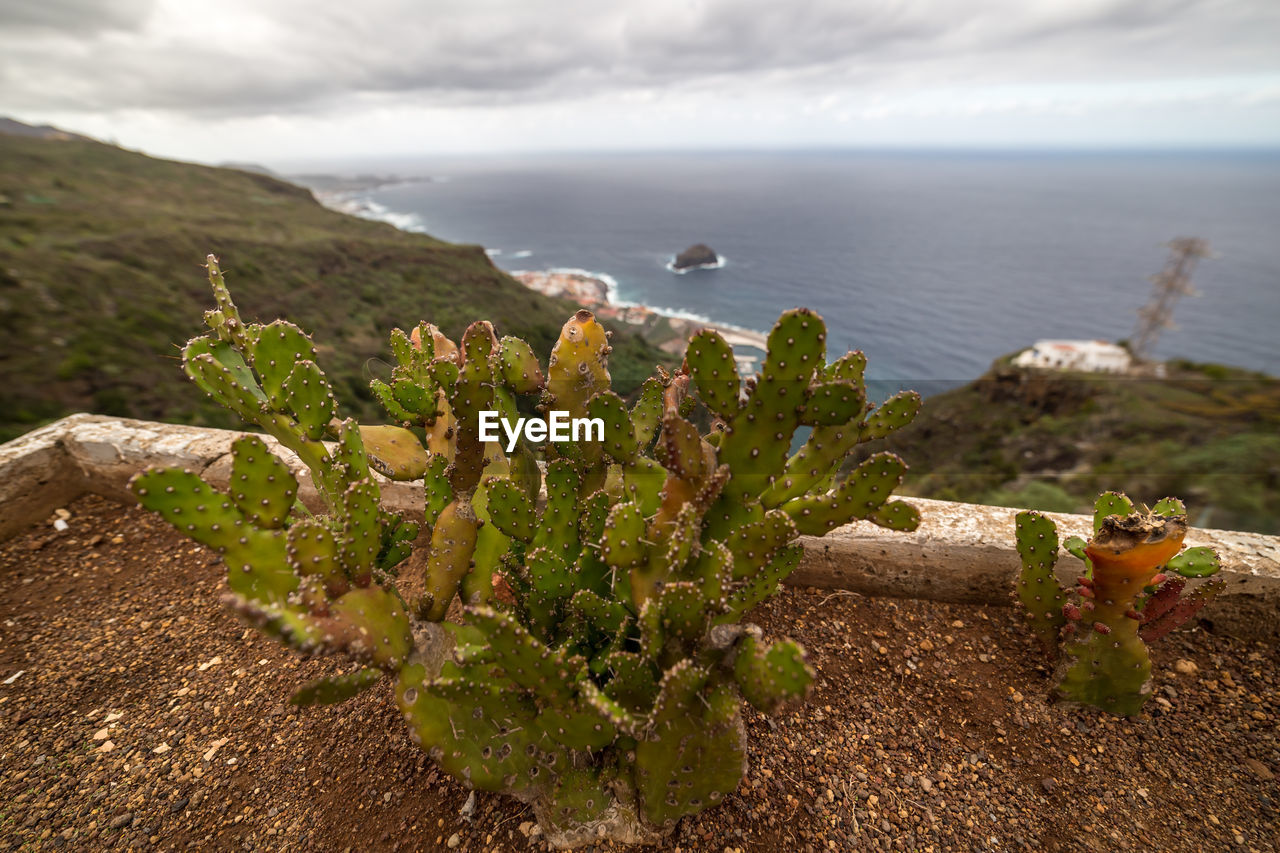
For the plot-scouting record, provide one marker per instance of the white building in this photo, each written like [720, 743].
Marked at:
[1085, 356]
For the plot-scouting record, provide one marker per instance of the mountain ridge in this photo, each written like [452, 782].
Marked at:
[101, 282]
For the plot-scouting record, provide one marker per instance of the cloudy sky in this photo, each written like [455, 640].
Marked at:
[279, 81]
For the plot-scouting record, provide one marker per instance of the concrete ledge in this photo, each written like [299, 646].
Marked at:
[961, 552]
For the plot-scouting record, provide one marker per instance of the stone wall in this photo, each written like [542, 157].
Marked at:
[960, 553]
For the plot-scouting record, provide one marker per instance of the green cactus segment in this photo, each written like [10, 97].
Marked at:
[713, 572]
[1111, 670]
[579, 726]
[349, 455]
[436, 488]
[580, 798]
[676, 614]
[255, 558]
[339, 688]
[398, 536]
[1038, 589]
[756, 443]
[312, 551]
[369, 624]
[262, 486]
[308, 396]
[602, 617]
[525, 472]
[833, 404]
[858, 496]
[771, 676]
[1075, 546]
[753, 545]
[1198, 562]
[1169, 508]
[453, 541]
[491, 546]
[361, 531]
[493, 750]
[619, 436]
[643, 482]
[225, 383]
[529, 663]
[406, 354]
[622, 545]
[386, 395]
[894, 413]
[518, 366]
[511, 510]
[394, 452]
[1178, 610]
[373, 625]
[646, 413]
[694, 751]
[551, 582]
[1109, 504]
[409, 402]
[279, 346]
[633, 682]
[896, 515]
[812, 464]
[714, 372]
[558, 532]
[479, 346]
[763, 585]
[850, 367]
[592, 516]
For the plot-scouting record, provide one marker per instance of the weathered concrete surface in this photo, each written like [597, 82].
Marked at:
[965, 553]
[36, 477]
[961, 553]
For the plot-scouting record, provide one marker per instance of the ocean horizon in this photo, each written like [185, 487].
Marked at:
[934, 263]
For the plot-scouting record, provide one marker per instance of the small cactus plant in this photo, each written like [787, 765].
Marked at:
[594, 660]
[1131, 594]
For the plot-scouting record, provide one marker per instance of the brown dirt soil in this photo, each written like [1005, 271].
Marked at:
[145, 715]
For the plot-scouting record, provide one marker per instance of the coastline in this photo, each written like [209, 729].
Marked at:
[667, 328]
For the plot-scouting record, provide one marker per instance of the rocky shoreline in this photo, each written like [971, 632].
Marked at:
[667, 331]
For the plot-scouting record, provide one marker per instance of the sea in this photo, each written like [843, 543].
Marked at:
[933, 263]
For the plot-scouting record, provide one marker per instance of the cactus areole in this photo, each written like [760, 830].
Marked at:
[1128, 596]
[593, 662]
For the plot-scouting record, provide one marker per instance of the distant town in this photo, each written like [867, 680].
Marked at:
[669, 333]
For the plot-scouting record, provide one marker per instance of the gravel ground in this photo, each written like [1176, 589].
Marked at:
[136, 713]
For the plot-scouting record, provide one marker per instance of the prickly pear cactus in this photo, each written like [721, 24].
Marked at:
[1128, 596]
[576, 636]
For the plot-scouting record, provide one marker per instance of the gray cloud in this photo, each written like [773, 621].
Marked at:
[295, 56]
[76, 17]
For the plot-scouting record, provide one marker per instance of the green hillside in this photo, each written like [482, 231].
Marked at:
[1053, 441]
[101, 281]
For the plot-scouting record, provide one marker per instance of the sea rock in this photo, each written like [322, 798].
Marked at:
[697, 255]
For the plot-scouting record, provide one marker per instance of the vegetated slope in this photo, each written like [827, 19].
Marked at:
[1045, 440]
[101, 282]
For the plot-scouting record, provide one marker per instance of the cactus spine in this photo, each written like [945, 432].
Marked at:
[1126, 598]
[598, 663]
